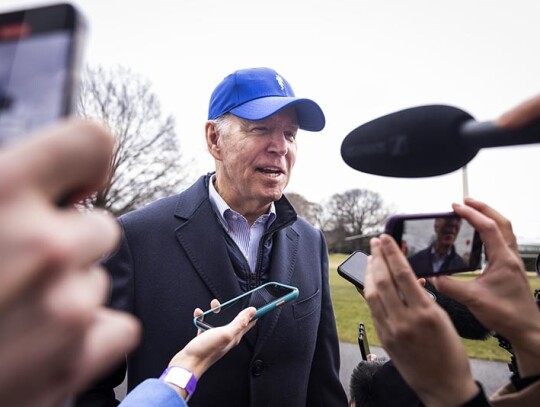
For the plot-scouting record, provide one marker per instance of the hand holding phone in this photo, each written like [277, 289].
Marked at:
[437, 243]
[265, 298]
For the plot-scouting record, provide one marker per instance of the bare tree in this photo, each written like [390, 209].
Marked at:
[147, 163]
[355, 212]
[308, 210]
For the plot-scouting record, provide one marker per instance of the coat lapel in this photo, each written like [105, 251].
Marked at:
[201, 236]
[284, 252]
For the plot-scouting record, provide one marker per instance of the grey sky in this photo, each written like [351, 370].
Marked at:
[358, 60]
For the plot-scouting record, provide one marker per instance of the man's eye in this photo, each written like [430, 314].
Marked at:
[289, 135]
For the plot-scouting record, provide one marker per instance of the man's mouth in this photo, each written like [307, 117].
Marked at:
[273, 171]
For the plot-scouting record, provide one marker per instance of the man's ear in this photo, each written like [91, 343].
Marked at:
[212, 140]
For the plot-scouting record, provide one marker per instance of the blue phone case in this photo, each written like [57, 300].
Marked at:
[265, 298]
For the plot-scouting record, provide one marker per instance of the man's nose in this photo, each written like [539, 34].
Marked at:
[279, 143]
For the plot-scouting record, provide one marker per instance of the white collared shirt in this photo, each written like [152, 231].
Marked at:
[246, 238]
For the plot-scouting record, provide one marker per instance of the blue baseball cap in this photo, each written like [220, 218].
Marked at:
[257, 93]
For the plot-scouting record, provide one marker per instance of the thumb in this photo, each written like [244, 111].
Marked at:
[458, 290]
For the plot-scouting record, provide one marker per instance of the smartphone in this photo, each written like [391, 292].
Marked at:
[353, 269]
[437, 243]
[40, 55]
[363, 342]
[265, 298]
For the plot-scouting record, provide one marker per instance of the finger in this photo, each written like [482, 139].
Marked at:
[76, 294]
[521, 115]
[215, 304]
[111, 337]
[402, 275]
[504, 224]
[461, 291]
[69, 157]
[496, 246]
[243, 322]
[197, 312]
[376, 266]
[36, 249]
[85, 237]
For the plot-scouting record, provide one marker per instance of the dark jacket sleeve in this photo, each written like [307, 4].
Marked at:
[325, 388]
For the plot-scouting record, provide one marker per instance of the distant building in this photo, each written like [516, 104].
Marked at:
[529, 249]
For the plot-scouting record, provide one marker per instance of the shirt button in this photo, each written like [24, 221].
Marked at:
[257, 368]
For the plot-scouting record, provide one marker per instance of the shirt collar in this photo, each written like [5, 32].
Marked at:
[222, 207]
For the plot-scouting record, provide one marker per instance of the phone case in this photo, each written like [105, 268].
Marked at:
[353, 269]
[40, 58]
[264, 298]
[363, 342]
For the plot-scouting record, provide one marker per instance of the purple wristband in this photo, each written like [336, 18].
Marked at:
[180, 377]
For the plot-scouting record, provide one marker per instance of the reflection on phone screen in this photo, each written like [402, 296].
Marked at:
[440, 245]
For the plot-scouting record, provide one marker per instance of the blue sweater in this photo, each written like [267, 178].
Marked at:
[155, 393]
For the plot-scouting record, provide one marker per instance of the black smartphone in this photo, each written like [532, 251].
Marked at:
[436, 243]
[353, 269]
[363, 342]
[40, 50]
[264, 298]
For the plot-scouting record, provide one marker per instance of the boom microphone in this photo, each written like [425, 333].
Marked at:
[426, 141]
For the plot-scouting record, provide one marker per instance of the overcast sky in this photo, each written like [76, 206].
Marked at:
[358, 60]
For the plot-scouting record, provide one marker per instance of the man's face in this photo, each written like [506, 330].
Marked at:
[447, 230]
[255, 159]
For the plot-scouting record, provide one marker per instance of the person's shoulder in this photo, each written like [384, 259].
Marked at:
[155, 208]
[167, 206]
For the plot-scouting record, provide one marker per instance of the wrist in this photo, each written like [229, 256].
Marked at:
[180, 379]
[527, 351]
[451, 396]
[193, 363]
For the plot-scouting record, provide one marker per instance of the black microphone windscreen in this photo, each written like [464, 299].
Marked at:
[466, 324]
[422, 141]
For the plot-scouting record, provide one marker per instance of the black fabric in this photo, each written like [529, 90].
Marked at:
[480, 400]
[464, 321]
[520, 383]
[391, 390]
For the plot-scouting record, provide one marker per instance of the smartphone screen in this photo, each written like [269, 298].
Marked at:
[434, 244]
[353, 269]
[265, 298]
[39, 59]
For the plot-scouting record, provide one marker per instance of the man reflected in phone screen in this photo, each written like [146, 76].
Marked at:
[440, 255]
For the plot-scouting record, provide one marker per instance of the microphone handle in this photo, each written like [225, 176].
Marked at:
[487, 134]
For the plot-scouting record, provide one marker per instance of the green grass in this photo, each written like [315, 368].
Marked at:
[350, 309]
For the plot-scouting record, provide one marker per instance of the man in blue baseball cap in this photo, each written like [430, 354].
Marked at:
[232, 231]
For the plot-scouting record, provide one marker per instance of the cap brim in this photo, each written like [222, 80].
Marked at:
[310, 116]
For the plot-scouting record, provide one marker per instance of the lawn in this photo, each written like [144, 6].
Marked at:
[350, 309]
